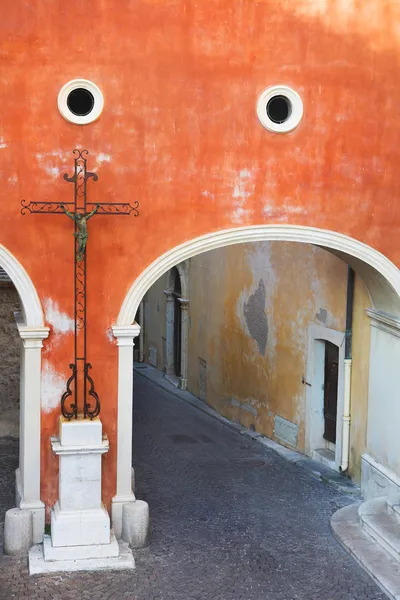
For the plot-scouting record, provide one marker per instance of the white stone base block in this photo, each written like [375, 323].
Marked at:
[377, 480]
[79, 527]
[52, 553]
[38, 565]
[18, 532]
[135, 523]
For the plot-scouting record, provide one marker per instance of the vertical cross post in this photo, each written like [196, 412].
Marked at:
[80, 396]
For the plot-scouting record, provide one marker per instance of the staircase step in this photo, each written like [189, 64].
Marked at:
[393, 509]
[379, 564]
[385, 530]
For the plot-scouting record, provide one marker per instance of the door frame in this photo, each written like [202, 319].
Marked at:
[314, 425]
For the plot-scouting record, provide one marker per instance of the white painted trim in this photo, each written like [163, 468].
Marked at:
[256, 233]
[33, 314]
[296, 105]
[383, 321]
[90, 87]
[313, 395]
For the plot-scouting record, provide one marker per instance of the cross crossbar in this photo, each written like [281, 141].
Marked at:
[80, 396]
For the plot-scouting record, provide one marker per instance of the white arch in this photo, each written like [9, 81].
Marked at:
[33, 314]
[32, 333]
[379, 273]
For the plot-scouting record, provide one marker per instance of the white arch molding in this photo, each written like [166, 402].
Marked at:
[33, 314]
[32, 332]
[381, 276]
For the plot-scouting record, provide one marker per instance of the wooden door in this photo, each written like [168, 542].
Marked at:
[331, 391]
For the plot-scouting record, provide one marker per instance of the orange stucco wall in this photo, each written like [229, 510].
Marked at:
[179, 133]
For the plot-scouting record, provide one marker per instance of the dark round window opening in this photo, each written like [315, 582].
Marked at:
[80, 102]
[279, 109]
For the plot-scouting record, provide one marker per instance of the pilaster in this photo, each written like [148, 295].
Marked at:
[125, 341]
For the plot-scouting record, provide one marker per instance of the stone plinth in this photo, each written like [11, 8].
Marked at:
[81, 538]
[79, 517]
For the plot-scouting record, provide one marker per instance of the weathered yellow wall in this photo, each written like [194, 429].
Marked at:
[359, 379]
[245, 381]
[250, 309]
[154, 316]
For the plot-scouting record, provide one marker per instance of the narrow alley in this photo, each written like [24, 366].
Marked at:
[230, 520]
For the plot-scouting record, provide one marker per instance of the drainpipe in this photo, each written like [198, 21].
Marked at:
[344, 463]
[141, 336]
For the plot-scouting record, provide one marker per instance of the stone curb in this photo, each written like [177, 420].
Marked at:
[313, 467]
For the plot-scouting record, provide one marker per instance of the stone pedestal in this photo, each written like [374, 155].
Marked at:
[79, 518]
[81, 538]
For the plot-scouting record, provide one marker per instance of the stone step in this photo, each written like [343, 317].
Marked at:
[379, 564]
[393, 509]
[384, 529]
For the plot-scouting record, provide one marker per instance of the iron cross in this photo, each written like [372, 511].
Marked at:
[80, 384]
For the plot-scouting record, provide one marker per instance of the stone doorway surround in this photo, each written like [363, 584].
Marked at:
[316, 445]
[32, 331]
[171, 299]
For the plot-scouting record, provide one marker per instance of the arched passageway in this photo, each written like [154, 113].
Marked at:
[381, 277]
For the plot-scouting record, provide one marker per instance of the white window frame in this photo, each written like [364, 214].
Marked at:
[91, 87]
[296, 106]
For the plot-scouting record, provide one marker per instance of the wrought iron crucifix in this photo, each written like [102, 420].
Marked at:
[80, 392]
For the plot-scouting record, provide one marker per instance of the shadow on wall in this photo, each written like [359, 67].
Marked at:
[10, 359]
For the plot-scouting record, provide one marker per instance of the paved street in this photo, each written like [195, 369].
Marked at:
[231, 520]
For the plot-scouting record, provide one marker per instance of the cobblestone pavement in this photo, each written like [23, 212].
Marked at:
[231, 520]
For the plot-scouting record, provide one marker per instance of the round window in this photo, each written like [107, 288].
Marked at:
[80, 101]
[280, 109]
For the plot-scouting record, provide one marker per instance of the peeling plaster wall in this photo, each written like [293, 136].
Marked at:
[9, 361]
[250, 308]
[155, 320]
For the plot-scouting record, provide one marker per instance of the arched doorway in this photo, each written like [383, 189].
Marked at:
[32, 332]
[177, 294]
[176, 324]
[381, 277]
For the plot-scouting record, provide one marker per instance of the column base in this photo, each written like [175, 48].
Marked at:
[37, 509]
[116, 511]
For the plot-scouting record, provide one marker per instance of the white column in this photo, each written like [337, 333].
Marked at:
[141, 337]
[28, 474]
[125, 340]
[184, 342]
[169, 333]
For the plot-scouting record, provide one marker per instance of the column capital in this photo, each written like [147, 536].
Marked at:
[169, 296]
[184, 302]
[125, 334]
[32, 337]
